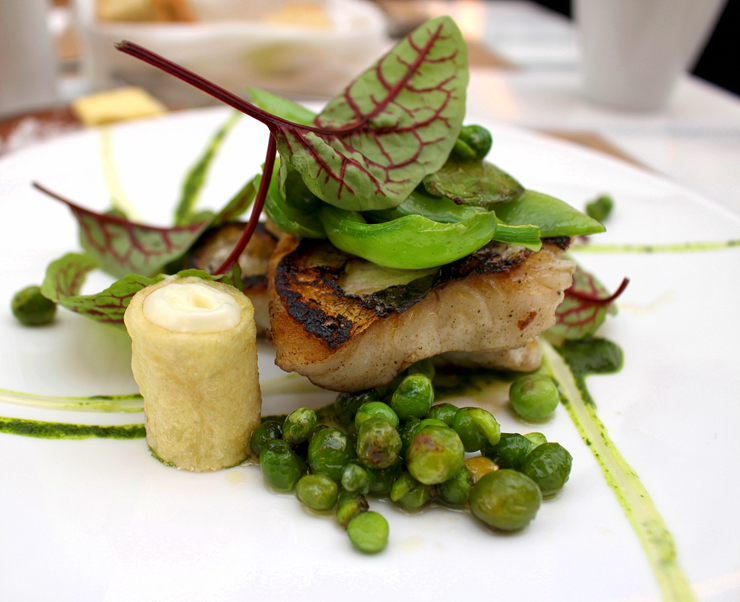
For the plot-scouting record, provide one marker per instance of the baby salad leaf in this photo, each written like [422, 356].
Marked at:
[396, 123]
[65, 277]
[281, 107]
[585, 307]
[122, 247]
[477, 183]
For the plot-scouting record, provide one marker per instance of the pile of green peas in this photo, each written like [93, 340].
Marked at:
[394, 442]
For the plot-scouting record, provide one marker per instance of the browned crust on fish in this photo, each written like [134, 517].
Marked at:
[496, 299]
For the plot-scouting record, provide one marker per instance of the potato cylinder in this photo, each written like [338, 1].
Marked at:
[194, 357]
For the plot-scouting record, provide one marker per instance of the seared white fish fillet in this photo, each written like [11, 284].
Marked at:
[349, 325]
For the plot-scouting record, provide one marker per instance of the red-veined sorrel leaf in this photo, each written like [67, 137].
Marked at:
[402, 116]
[585, 307]
[122, 247]
[196, 176]
[374, 143]
[65, 277]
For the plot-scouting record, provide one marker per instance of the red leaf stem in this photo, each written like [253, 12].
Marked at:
[238, 103]
[597, 300]
[259, 201]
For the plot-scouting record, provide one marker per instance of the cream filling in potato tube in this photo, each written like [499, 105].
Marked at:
[194, 357]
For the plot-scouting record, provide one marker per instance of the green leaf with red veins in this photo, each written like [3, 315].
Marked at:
[122, 247]
[584, 308]
[65, 277]
[64, 280]
[397, 122]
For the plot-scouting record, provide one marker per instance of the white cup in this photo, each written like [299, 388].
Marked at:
[633, 51]
[28, 69]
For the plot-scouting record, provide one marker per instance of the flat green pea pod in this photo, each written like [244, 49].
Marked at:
[473, 143]
[349, 505]
[476, 428]
[347, 404]
[299, 426]
[505, 499]
[378, 443]
[534, 396]
[510, 452]
[329, 451]
[408, 493]
[263, 434]
[317, 491]
[553, 216]
[476, 183]
[444, 412]
[549, 466]
[411, 242]
[280, 465]
[356, 478]
[414, 397]
[368, 532]
[31, 308]
[286, 217]
[435, 455]
[455, 491]
[376, 409]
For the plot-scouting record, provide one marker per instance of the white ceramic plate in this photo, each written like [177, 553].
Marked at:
[102, 520]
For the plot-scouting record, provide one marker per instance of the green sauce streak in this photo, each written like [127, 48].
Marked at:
[569, 365]
[688, 247]
[62, 430]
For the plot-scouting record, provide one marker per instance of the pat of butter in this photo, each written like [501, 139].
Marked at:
[192, 307]
[116, 105]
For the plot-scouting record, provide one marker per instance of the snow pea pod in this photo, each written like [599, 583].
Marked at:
[409, 242]
[553, 216]
[289, 219]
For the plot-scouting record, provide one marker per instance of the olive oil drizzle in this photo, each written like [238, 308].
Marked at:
[687, 247]
[95, 403]
[639, 508]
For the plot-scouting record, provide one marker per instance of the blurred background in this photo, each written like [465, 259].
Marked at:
[550, 65]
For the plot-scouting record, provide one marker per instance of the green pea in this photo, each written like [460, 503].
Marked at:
[455, 491]
[534, 397]
[376, 409]
[270, 429]
[549, 466]
[368, 532]
[476, 428]
[349, 505]
[329, 451]
[356, 478]
[378, 443]
[409, 430]
[510, 452]
[31, 308]
[444, 412]
[435, 455]
[299, 426]
[317, 491]
[383, 479]
[473, 143]
[505, 499]
[347, 404]
[600, 208]
[536, 439]
[425, 367]
[408, 493]
[413, 398]
[280, 465]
